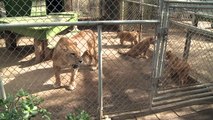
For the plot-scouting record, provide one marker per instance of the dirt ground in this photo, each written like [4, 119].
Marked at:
[126, 85]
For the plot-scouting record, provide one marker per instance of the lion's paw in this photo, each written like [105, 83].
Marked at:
[72, 86]
[56, 85]
[94, 68]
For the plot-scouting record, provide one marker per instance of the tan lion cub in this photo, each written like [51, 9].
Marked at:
[177, 67]
[140, 48]
[130, 36]
[70, 52]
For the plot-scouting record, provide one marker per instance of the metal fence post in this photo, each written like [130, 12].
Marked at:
[100, 82]
[2, 90]
[187, 44]
[160, 48]
[122, 13]
[164, 35]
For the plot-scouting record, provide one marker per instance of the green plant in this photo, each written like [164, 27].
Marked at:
[22, 106]
[80, 115]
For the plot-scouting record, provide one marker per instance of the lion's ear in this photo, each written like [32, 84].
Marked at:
[63, 47]
[169, 52]
[75, 43]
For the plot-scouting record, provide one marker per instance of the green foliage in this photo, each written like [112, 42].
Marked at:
[22, 106]
[80, 115]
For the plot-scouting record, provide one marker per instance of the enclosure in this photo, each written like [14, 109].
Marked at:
[122, 85]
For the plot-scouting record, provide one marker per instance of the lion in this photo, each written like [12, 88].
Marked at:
[130, 36]
[71, 52]
[177, 67]
[140, 48]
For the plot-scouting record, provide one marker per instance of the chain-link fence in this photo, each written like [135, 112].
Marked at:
[43, 42]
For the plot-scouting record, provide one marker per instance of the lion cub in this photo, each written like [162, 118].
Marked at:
[130, 36]
[71, 52]
[177, 67]
[140, 48]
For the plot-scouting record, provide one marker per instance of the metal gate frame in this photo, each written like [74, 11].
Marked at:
[160, 98]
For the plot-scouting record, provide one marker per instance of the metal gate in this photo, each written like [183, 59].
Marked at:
[186, 48]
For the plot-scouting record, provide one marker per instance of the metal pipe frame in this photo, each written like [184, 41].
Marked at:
[100, 71]
[184, 93]
[190, 2]
[192, 7]
[144, 4]
[155, 66]
[181, 103]
[107, 22]
[164, 37]
[205, 85]
[193, 28]
[122, 6]
[2, 90]
[160, 45]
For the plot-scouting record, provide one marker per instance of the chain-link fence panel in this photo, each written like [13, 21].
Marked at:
[127, 66]
[127, 72]
[26, 57]
[187, 74]
[138, 10]
[41, 54]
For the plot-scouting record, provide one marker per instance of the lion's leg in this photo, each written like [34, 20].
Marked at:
[87, 58]
[96, 63]
[145, 54]
[95, 57]
[184, 77]
[72, 84]
[121, 41]
[57, 83]
[135, 42]
[132, 43]
[92, 54]
[38, 51]
[168, 72]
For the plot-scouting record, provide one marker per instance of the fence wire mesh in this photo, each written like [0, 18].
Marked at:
[31, 60]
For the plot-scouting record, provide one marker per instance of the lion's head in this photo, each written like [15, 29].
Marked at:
[168, 54]
[69, 52]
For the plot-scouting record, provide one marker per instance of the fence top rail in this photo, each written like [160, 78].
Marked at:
[193, 28]
[108, 22]
[189, 2]
[192, 6]
[142, 3]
